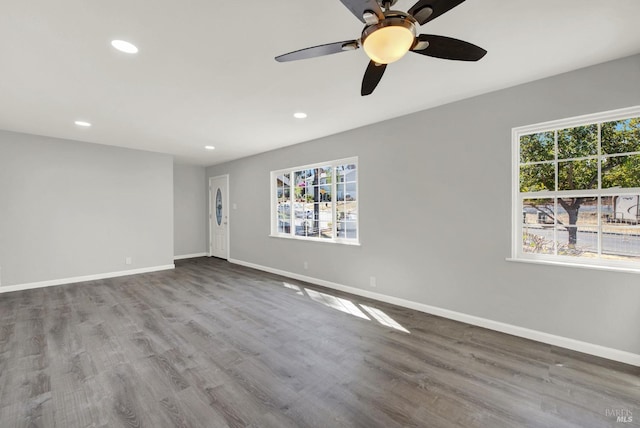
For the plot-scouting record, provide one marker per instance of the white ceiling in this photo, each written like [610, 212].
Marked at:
[205, 73]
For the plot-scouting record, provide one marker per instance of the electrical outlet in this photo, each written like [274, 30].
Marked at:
[128, 260]
[306, 265]
[372, 281]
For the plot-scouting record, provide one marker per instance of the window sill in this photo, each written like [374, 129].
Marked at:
[576, 265]
[326, 241]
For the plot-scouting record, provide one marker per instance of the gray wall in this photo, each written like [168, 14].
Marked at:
[71, 209]
[190, 209]
[421, 176]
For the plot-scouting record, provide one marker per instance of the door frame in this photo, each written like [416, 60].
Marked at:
[211, 212]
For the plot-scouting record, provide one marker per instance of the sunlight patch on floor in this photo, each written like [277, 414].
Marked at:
[343, 305]
[348, 307]
[383, 318]
[293, 287]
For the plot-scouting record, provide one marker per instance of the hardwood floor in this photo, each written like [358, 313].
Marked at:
[212, 344]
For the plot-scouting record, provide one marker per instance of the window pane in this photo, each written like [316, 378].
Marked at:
[312, 194]
[326, 175]
[537, 147]
[621, 171]
[621, 243]
[538, 211]
[621, 136]
[350, 192]
[310, 175]
[350, 174]
[585, 245]
[309, 211]
[282, 180]
[578, 175]
[576, 223]
[326, 221]
[341, 191]
[351, 229]
[578, 211]
[341, 214]
[300, 219]
[350, 213]
[284, 217]
[299, 186]
[325, 194]
[621, 227]
[346, 173]
[283, 210]
[283, 194]
[578, 142]
[537, 232]
[347, 206]
[534, 178]
[313, 219]
[621, 210]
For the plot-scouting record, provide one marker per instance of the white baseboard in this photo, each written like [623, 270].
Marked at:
[51, 283]
[190, 256]
[539, 336]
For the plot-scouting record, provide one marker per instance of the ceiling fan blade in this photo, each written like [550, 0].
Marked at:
[372, 77]
[312, 52]
[428, 10]
[359, 7]
[448, 48]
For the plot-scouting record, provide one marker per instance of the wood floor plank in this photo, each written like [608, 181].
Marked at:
[212, 344]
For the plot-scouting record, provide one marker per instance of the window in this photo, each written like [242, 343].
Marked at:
[316, 202]
[576, 186]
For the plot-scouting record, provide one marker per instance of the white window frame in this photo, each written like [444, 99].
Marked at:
[291, 235]
[517, 253]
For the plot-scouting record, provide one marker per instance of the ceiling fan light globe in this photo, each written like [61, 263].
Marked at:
[388, 44]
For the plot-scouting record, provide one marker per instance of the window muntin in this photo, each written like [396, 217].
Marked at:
[577, 190]
[316, 202]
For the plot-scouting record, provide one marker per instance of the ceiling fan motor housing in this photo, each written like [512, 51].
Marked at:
[392, 37]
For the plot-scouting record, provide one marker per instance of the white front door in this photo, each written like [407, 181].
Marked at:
[219, 216]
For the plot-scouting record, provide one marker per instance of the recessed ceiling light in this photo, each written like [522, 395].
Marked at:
[209, 147]
[125, 47]
[82, 123]
[300, 115]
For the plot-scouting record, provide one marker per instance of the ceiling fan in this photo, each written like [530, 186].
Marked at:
[388, 35]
